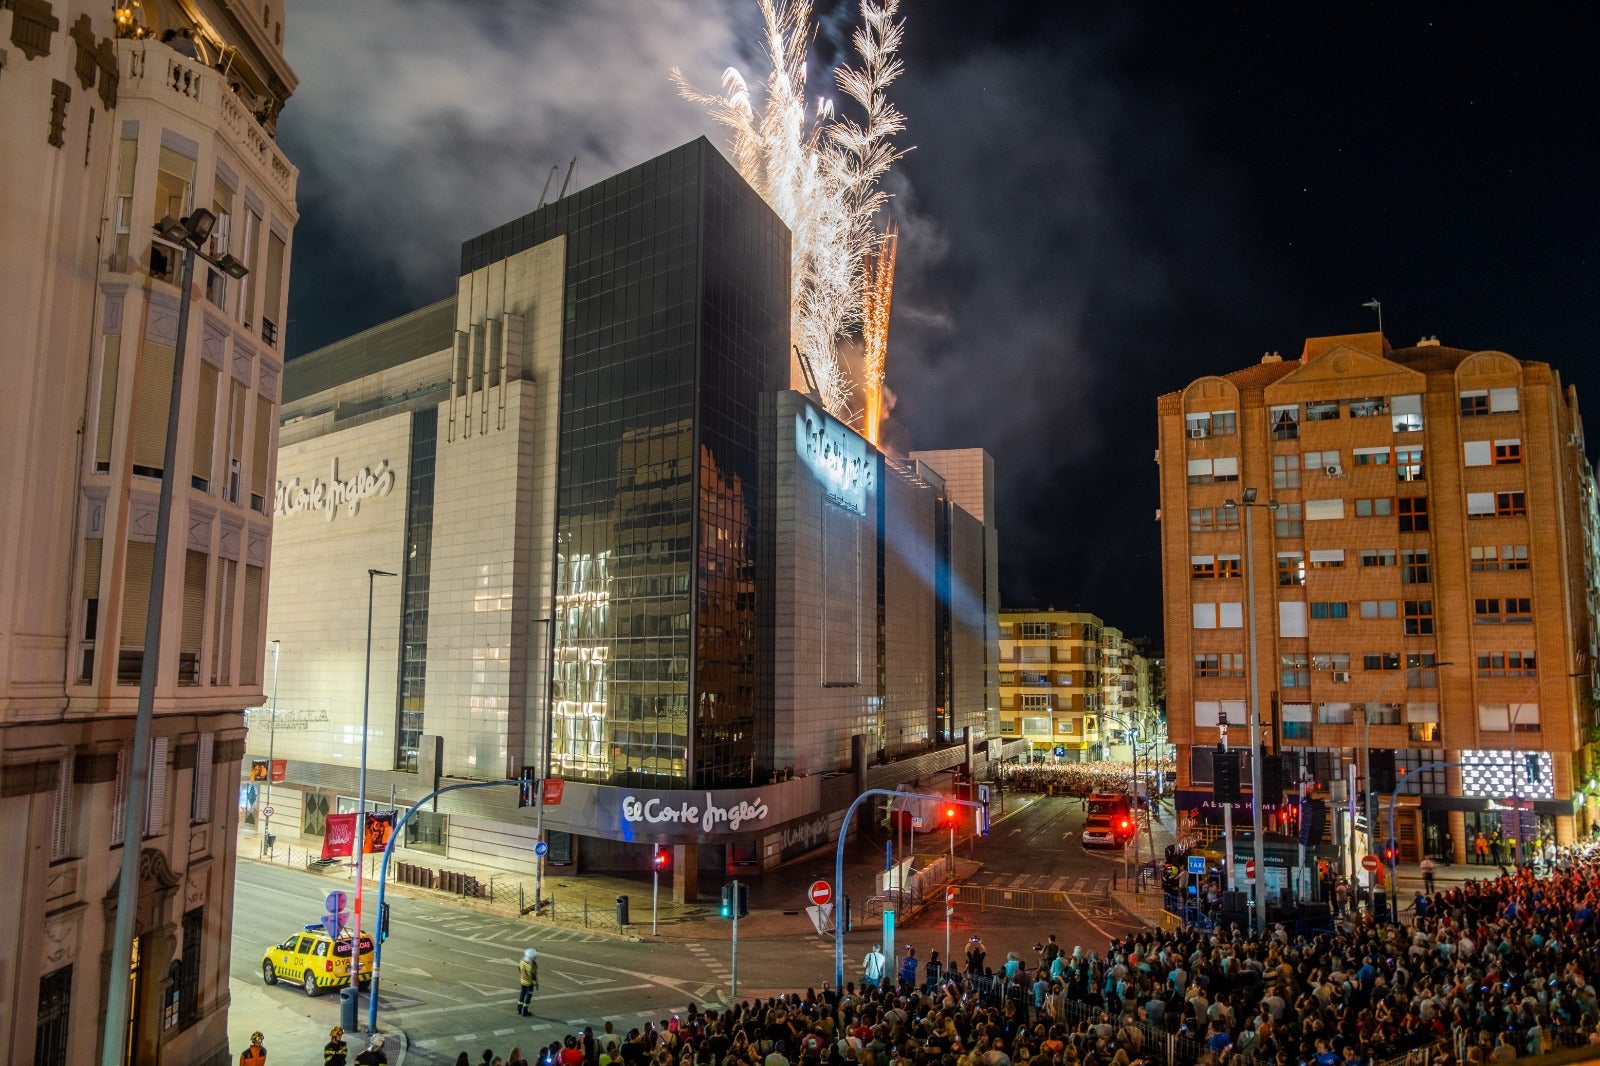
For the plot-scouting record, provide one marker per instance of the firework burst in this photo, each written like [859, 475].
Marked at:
[875, 299]
[820, 173]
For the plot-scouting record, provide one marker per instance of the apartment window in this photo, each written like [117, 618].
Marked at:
[219, 242]
[1224, 423]
[1324, 510]
[1475, 453]
[1377, 557]
[1322, 461]
[1372, 456]
[1408, 463]
[1218, 615]
[1289, 520]
[1327, 558]
[1369, 407]
[1499, 557]
[1228, 566]
[1285, 422]
[1495, 610]
[1296, 721]
[1197, 426]
[1329, 609]
[53, 1027]
[1377, 507]
[1419, 618]
[1295, 670]
[1507, 664]
[1036, 702]
[189, 968]
[1405, 413]
[1412, 513]
[1383, 714]
[1474, 402]
[1422, 670]
[1415, 568]
[272, 288]
[1291, 618]
[174, 196]
[1379, 609]
[1503, 400]
[1211, 519]
[1380, 660]
[1334, 713]
[1422, 723]
[1035, 725]
[1220, 664]
[1206, 471]
[1291, 568]
[1322, 411]
[1510, 504]
[1334, 660]
[1038, 631]
[1286, 471]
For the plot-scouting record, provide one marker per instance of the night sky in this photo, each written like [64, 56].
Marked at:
[1104, 202]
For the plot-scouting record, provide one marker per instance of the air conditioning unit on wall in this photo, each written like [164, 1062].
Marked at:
[1197, 432]
[1341, 677]
[1333, 470]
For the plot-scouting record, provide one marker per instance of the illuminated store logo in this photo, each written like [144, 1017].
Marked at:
[839, 458]
[656, 811]
[330, 496]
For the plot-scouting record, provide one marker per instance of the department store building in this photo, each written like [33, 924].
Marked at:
[628, 555]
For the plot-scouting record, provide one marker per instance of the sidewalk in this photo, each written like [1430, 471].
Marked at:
[296, 1028]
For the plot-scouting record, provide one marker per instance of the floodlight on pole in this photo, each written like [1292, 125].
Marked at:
[186, 235]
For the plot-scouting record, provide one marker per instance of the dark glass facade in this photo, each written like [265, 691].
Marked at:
[414, 601]
[676, 321]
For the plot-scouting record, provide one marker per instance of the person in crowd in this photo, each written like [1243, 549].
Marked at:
[335, 1051]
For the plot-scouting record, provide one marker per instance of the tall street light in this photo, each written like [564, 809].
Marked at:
[360, 846]
[1258, 912]
[185, 236]
[272, 737]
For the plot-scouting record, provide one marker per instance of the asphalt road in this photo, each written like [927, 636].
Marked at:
[449, 970]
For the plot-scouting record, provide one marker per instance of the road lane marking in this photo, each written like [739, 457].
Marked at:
[538, 1000]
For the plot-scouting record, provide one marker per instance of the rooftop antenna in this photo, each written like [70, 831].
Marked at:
[568, 181]
[1378, 307]
[546, 191]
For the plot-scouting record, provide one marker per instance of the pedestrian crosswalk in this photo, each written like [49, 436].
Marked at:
[1044, 883]
[543, 1029]
[493, 929]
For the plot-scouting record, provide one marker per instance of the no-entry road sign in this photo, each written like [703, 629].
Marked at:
[1370, 864]
[821, 893]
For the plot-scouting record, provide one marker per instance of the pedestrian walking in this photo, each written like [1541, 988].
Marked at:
[908, 970]
[1427, 875]
[334, 1052]
[256, 1053]
[872, 967]
[527, 981]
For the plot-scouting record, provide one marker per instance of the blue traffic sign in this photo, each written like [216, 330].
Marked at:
[335, 901]
[1061, 749]
[1197, 864]
[541, 849]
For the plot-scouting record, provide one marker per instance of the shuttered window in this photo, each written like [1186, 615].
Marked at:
[155, 812]
[200, 799]
[106, 418]
[136, 597]
[61, 814]
[119, 798]
[222, 624]
[205, 427]
[92, 549]
[251, 649]
[236, 409]
[194, 617]
[152, 398]
[261, 455]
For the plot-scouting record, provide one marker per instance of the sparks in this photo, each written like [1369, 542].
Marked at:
[820, 173]
[876, 296]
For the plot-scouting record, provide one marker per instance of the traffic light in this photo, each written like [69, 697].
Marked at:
[662, 860]
[848, 923]
[383, 921]
[1225, 776]
[981, 815]
[1390, 853]
[1312, 815]
[741, 892]
[527, 780]
[1271, 779]
[950, 815]
[735, 897]
[726, 910]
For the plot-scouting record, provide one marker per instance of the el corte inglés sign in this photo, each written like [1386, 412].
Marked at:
[295, 497]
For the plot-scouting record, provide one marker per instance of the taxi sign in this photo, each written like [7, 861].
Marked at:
[1197, 864]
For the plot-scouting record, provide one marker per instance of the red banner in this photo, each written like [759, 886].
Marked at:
[339, 834]
[552, 791]
[280, 770]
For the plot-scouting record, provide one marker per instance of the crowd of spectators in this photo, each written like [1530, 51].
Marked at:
[1075, 778]
[1483, 972]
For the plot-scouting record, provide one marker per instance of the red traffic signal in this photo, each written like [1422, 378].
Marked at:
[663, 859]
[949, 816]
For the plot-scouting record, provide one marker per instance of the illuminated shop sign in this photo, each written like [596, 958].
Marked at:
[336, 493]
[707, 816]
[839, 458]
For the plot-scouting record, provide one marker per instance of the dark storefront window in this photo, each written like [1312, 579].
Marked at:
[55, 1012]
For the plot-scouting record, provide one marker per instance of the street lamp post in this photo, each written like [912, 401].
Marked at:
[1248, 502]
[359, 847]
[272, 738]
[186, 236]
[544, 763]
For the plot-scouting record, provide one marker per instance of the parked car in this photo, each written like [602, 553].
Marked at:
[316, 960]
